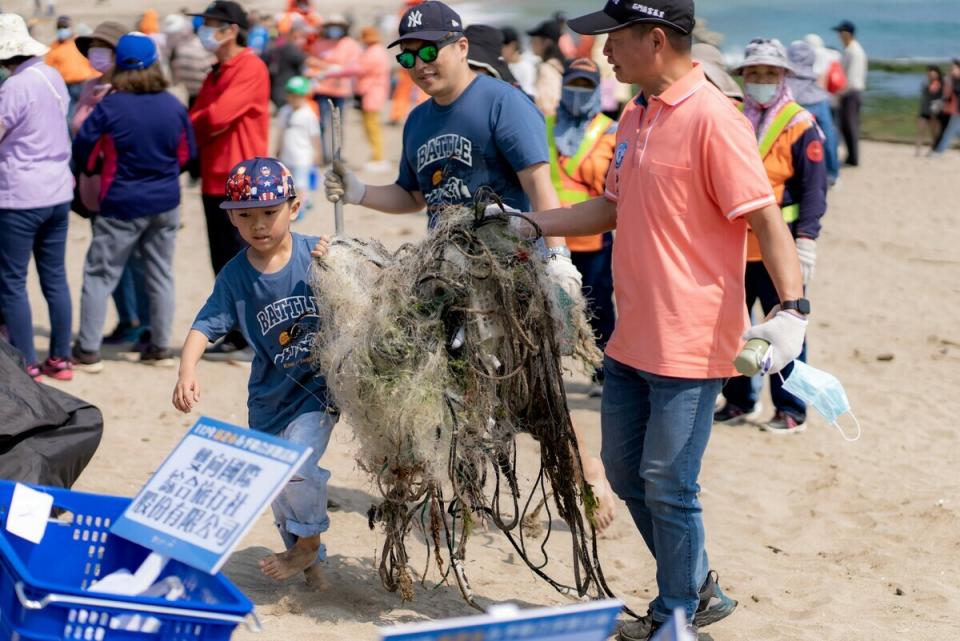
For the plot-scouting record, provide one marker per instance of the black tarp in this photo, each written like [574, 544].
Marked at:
[47, 436]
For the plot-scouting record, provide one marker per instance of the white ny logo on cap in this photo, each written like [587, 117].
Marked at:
[415, 19]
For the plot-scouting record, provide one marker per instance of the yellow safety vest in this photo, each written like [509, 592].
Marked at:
[791, 212]
[569, 190]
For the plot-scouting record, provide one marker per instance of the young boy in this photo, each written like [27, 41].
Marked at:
[299, 147]
[264, 290]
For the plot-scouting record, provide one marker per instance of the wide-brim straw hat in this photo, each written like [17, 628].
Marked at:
[15, 40]
[764, 51]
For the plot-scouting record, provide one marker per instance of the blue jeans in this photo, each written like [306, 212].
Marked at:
[596, 268]
[739, 390]
[301, 507]
[952, 131]
[43, 233]
[655, 431]
[130, 295]
[824, 115]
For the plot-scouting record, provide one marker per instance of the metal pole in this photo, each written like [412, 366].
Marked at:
[337, 143]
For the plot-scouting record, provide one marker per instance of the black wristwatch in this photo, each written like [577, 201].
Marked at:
[801, 305]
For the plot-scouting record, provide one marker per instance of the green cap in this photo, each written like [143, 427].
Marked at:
[298, 85]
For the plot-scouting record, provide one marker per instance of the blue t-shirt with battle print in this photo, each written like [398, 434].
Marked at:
[277, 314]
[483, 138]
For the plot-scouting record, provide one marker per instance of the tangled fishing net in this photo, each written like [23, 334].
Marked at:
[439, 355]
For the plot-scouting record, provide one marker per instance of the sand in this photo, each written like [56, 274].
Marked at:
[817, 538]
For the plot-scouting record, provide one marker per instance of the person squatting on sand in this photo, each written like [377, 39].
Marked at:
[473, 132]
[686, 181]
[285, 397]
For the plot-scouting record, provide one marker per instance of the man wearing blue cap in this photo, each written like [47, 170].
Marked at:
[476, 131]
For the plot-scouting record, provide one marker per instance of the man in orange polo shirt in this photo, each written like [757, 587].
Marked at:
[685, 181]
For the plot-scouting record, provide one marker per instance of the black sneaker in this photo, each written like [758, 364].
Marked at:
[123, 333]
[714, 604]
[157, 356]
[85, 361]
[730, 414]
[646, 629]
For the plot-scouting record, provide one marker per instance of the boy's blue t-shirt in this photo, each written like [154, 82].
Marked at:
[483, 138]
[277, 314]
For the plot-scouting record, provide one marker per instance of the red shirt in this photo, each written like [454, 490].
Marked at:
[231, 118]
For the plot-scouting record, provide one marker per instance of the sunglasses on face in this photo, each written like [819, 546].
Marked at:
[428, 52]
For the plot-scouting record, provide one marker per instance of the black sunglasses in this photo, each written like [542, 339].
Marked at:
[428, 52]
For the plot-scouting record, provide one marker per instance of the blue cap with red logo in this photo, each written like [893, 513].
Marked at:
[258, 182]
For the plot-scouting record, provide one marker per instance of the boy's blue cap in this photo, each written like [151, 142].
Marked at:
[258, 182]
[135, 50]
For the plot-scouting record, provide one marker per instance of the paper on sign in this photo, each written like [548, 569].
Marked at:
[29, 512]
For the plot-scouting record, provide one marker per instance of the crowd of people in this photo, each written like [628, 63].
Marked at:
[618, 121]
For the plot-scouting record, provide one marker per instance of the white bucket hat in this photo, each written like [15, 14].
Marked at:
[15, 40]
[764, 51]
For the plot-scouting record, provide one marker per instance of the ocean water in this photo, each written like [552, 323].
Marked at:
[887, 29]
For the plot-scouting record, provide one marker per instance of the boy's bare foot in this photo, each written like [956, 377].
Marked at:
[297, 559]
[596, 476]
[316, 577]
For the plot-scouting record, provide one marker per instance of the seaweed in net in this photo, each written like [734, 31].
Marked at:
[439, 354]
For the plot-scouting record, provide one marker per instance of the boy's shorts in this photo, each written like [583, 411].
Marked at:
[301, 507]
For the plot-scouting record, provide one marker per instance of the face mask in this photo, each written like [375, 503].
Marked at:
[578, 100]
[64, 34]
[4, 74]
[101, 58]
[823, 392]
[208, 38]
[763, 94]
[333, 33]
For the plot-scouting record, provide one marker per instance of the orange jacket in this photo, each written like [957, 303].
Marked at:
[72, 65]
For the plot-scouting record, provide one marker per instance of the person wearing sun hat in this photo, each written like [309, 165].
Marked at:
[36, 187]
[685, 181]
[808, 92]
[265, 290]
[486, 52]
[98, 48]
[149, 132]
[791, 146]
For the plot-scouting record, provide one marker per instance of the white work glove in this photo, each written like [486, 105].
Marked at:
[515, 224]
[564, 273]
[341, 183]
[785, 333]
[807, 252]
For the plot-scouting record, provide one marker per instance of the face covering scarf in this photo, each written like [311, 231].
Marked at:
[578, 107]
[823, 392]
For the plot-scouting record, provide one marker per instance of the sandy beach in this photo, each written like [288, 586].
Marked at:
[816, 537]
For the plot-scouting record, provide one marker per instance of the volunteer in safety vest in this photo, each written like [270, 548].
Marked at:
[791, 146]
[581, 143]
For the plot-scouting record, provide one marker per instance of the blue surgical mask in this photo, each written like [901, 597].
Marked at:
[822, 391]
[334, 33]
[761, 93]
[579, 101]
[64, 34]
[208, 38]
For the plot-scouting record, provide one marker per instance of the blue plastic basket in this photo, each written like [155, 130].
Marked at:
[43, 594]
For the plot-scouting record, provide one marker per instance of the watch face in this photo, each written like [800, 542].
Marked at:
[803, 306]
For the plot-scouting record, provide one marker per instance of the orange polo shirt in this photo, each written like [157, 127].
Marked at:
[685, 171]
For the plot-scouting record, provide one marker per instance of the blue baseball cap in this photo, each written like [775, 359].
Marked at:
[429, 21]
[258, 182]
[135, 50]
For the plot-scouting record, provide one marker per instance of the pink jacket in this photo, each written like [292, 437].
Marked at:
[338, 53]
[372, 71]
